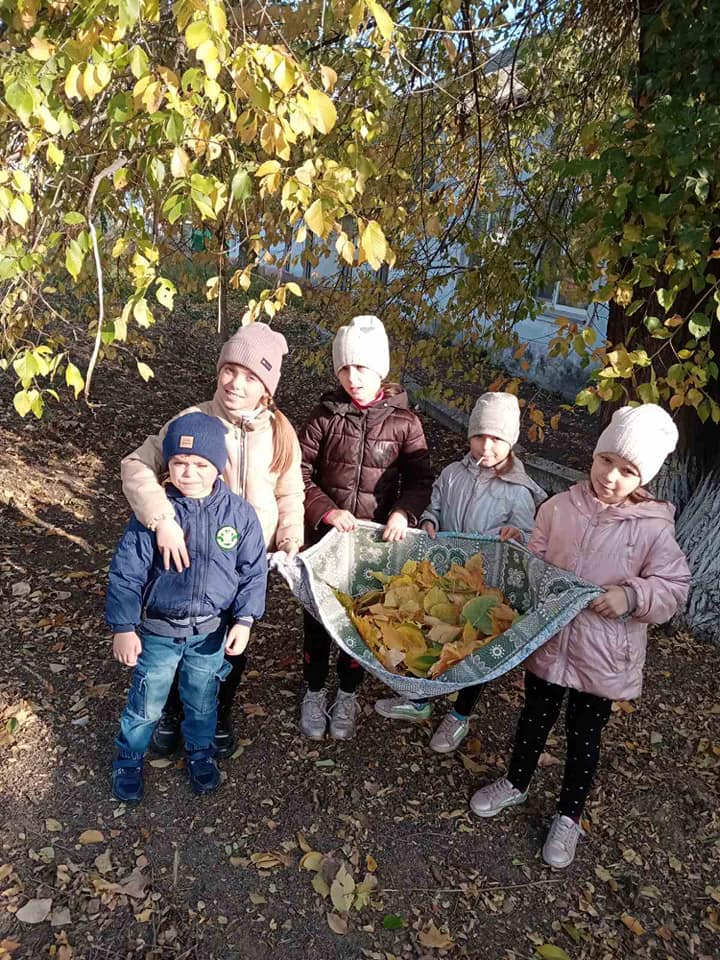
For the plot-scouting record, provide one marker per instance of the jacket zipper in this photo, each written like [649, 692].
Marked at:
[358, 472]
[467, 505]
[571, 626]
[240, 439]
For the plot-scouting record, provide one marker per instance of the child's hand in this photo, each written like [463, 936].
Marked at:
[237, 638]
[429, 527]
[170, 540]
[511, 533]
[127, 648]
[612, 604]
[342, 520]
[396, 527]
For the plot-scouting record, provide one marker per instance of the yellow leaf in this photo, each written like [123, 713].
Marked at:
[218, 20]
[311, 861]
[145, 371]
[633, 925]
[373, 244]
[91, 836]
[371, 863]
[269, 167]
[382, 19]
[41, 49]
[329, 78]
[315, 219]
[321, 110]
[179, 163]
[18, 212]
[73, 83]
[197, 33]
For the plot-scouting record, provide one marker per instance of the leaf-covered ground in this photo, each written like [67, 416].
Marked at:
[382, 823]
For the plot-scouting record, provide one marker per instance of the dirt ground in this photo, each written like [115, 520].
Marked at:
[84, 877]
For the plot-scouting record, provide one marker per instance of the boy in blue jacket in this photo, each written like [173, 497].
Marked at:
[165, 620]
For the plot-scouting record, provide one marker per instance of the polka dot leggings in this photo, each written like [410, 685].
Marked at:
[585, 718]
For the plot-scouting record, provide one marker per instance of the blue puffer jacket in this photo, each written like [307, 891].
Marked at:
[227, 572]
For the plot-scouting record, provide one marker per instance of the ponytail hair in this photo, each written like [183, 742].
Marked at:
[284, 439]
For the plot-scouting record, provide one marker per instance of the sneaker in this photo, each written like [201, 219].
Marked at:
[490, 800]
[166, 737]
[398, 708]
[224, 736]
[203, 771]
[343, 716]
[313, 714]
[450, 734]
[559, 847]
[128, 782]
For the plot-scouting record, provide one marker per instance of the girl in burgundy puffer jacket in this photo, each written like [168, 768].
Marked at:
[611, 532]
[364, 457]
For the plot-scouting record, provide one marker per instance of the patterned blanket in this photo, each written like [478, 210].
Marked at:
[546, 596]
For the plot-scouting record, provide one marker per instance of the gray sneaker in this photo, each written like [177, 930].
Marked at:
[399, 708]
[559, 847]
[313, 714]
[343, 716]
[490, 800]
[450, 734]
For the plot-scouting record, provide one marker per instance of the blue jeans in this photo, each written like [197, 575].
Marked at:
[199, 661]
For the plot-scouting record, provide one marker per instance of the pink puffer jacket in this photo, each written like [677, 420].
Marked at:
[630, 545]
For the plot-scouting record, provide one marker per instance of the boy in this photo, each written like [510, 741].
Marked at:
[163, 620]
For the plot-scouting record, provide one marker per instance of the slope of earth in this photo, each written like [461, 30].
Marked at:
[85, 878]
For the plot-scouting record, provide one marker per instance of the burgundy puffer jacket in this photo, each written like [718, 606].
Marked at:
[369, 461]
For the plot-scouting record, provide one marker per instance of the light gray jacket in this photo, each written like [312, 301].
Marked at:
[469, 498]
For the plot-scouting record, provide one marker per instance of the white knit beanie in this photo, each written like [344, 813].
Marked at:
[362, 343]
[496, 415]
[644, 435]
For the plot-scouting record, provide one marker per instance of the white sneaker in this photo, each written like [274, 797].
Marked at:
[313, 714]
[450, 734]
[490, 800]
[399, 708]
[559, 847]
[343, 716]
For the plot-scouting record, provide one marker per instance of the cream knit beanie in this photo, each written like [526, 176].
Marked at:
[497, 415]
[362, 343]
[644, 435]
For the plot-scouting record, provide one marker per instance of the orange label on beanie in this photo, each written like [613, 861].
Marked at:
[186, 442]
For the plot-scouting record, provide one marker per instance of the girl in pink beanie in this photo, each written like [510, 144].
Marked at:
[263, 466]
[610, 531]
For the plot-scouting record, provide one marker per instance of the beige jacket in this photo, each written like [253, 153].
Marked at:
[278, 500]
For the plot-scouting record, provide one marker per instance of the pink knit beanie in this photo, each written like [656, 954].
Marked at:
[260, 349]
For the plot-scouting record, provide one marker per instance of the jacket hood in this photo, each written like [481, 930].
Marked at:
[516, 474]
[339, 402]
[584, 499]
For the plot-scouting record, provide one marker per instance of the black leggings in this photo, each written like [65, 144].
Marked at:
[316, 660]
[228, 688]
[585, 718]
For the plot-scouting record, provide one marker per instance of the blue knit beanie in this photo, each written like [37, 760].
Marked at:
[199, 435]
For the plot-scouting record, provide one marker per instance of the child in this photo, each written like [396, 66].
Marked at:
[263, 466]
[364, 457]
[165, 620]
[611, 532]
[486, 492]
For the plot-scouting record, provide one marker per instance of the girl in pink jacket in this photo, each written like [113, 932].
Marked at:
[610, 531]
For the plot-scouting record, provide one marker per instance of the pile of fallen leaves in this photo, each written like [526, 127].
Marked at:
[421, 623]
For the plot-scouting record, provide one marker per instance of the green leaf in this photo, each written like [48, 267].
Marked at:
[699, 325]
[22, 402]
[128, 12]
[242, 185]
[73, 218]
[74, 379]
[74, 258]
[477, 612]
[548, 951]
[391, 921]
[666, 298]
[197, 33]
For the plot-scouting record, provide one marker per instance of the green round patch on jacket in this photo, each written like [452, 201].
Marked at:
[226, 538]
